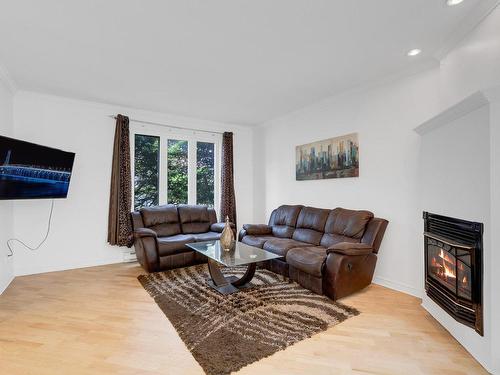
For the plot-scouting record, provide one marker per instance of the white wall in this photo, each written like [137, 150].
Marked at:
[388, 161]
[6, 123]
[79, 226]
[384, 116]
[455, 181]
[494, 109]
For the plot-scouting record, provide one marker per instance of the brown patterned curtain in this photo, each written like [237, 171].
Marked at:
[228, 199]
[120, 201]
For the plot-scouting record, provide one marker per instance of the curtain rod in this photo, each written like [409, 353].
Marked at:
[170, 126]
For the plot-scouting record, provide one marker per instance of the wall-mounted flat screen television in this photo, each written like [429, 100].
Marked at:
[31, 171]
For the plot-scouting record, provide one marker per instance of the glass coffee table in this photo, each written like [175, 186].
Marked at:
[240, 254]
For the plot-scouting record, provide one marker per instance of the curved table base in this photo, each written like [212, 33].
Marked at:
[228, 285]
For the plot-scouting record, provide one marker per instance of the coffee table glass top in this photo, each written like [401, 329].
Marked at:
[239, 255]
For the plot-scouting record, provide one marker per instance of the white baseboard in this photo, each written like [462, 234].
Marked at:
[33, 270]
[129, 256]
[3, 288]
[399, 286]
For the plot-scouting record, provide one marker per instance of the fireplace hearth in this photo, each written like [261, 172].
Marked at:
[453, 251]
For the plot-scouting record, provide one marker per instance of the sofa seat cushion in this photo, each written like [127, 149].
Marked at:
[257, 241]
[174, 244]
[280, 246]
[307, 259]
[207, 236]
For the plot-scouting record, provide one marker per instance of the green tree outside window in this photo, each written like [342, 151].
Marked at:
[147, 164]
[147, 152]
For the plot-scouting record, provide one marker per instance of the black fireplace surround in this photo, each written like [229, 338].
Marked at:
[453, 251]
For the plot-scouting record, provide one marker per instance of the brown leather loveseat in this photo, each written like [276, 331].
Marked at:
[162, 232]
[331, 252]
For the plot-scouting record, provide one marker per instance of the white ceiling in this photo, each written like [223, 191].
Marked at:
[238, 61]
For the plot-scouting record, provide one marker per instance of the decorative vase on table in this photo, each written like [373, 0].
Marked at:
[227, 236]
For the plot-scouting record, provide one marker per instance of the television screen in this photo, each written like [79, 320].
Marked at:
[31, 171]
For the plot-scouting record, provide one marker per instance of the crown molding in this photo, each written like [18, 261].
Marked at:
[6, 78]
[454, 112]
[415, 68]
[466, 26]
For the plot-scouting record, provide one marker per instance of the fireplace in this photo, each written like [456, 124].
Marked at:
[453, 251]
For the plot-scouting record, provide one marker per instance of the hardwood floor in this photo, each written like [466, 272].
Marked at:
[100, 320]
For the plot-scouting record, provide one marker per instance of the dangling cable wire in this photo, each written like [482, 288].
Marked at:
[40, 244]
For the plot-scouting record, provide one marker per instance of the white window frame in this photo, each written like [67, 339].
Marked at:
[192, 137]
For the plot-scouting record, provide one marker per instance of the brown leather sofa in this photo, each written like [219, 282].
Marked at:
[331, 252]
[162, 232]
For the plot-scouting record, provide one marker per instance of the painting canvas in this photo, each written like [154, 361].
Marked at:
[330, 158]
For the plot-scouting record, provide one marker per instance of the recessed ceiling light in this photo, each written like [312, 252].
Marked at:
[414, 52]
[453, 2]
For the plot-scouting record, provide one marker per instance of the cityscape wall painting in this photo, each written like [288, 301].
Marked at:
[330, 158]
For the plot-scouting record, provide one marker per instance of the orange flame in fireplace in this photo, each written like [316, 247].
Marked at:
[448, 271]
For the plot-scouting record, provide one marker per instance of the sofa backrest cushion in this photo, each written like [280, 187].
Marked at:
[213, 216]
[310, 225]
[194, 219]
[374, 233]
[136, 220]
[345, 225]
[283, 220]
[164, 220]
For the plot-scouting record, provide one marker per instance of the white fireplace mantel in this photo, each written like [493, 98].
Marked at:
[467, 105]
[460, 109]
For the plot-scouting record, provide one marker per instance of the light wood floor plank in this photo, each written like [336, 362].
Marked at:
[100, 320]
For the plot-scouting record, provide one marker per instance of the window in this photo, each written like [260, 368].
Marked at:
[147, 154]
[177, 171]
[174, 167]
[205, 173]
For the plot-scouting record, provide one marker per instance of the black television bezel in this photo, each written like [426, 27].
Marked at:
[73, 156]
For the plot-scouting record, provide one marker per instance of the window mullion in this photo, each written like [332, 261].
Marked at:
[191, 171]
[163, 170]
[217, 174]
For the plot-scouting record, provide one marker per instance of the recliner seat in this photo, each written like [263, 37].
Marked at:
[331, 252]
[162, 232]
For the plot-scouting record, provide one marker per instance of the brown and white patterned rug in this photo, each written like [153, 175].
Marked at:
[226, 333]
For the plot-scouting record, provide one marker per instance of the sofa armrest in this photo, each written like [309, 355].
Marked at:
[374, 233]
[345, 274]
[257, 229]
[348, 248]
[144, 232]
[242, 234]
[219, 227]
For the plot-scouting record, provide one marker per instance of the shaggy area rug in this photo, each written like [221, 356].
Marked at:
[226, 332]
